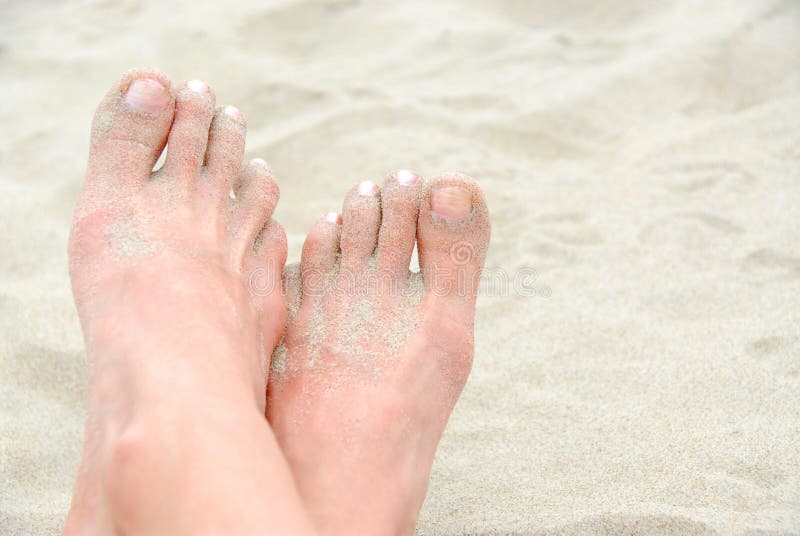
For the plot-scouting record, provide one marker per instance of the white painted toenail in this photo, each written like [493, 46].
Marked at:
[333, 217]
[233, 111]
[259, 162]
[147, 95]
[198, 86]
[368, 188]
[406, 177]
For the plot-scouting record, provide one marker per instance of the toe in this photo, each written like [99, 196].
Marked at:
[265, 265]
[452, 237]
[361, 216]
[257, 193]
[320, 253]
[186, 146]
[263, 270]
[271, 247]
[130, 127]
[225, 149]
[398, 232]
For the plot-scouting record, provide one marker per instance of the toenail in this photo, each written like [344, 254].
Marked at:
[368, 188]
[147, 95]
[406, 177]
[233, 111]
[334, 217]
[451, 202]
[259, 162]
[198, 86]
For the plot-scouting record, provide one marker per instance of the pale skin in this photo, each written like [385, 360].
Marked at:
[179, 292]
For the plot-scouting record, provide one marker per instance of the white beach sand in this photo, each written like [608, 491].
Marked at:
[641, 157]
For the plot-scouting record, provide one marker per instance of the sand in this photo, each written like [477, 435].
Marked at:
[641, 159]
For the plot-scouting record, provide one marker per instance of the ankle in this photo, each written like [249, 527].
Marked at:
[170, 458]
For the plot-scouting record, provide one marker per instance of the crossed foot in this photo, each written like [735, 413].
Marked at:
[180, 290]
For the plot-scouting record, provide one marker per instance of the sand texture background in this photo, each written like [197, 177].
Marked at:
[642, 165]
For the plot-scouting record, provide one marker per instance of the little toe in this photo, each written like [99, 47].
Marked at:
[256, 195]
[263, 270]
[398, 232]
[265, 266]
[271, 247]
[186, 146]
[361, 217]
[452, 238]
[225, 150]
[320, 253]
[130, 127]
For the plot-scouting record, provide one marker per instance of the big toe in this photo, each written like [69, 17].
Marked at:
[452, 237]
[130, 128]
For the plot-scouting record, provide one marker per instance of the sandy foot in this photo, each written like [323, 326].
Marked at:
[178, 291]
[374, 356]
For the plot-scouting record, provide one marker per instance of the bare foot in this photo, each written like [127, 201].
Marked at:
[374, 357]
[178, 291]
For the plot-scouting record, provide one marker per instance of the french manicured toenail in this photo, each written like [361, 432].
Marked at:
[451, 202]
[233, 111]
[198, 86]
[259, 162]
[406, 177]
[333, 217]
[368, 188]
[147, 95]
